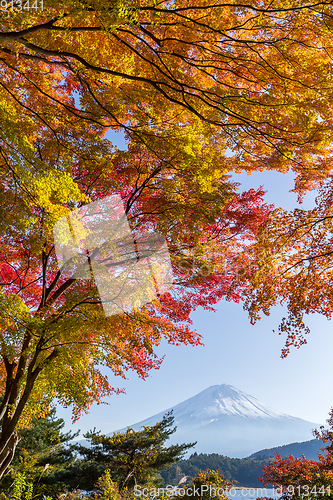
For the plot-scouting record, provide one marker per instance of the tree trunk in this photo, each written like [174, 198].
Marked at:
[7, 447]
[9, 437]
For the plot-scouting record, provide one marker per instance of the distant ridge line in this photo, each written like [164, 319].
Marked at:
[309, 449]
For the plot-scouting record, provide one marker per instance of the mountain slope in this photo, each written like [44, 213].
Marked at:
[309, 449]
[225, 420]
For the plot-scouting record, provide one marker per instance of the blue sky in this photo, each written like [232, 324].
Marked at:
[235, 352]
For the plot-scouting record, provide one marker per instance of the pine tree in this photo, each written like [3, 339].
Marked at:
[43, 451]
[133, 457]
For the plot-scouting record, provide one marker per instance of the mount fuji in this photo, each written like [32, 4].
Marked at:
[225, 420]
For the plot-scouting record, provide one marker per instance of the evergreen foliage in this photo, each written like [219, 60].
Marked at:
[132, 456]
[43, 451]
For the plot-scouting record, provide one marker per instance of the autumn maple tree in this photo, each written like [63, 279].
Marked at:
[186, 83]
[303, 478]
[292, 265]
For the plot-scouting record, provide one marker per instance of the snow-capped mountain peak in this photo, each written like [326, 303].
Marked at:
[225, 399]
[225, 420]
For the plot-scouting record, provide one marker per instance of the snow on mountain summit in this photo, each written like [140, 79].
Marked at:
[225, 420]
[226, 399]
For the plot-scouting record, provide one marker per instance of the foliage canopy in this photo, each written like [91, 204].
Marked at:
[186, 83]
